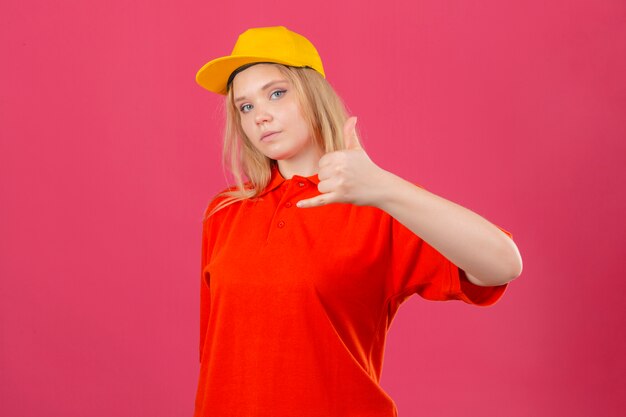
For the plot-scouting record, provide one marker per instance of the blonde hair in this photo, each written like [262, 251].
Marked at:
[324, 112]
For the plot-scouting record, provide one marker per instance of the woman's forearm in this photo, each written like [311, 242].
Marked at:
[486, 254]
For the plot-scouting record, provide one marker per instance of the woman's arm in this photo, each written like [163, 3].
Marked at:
[486, 254]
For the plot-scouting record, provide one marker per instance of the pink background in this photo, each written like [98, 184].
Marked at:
[110, 153]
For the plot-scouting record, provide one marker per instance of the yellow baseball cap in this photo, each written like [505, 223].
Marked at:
[268, 44]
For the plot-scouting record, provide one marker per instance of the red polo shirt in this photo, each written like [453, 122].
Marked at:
[296, 303]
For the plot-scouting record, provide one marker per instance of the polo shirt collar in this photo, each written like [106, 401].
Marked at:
[277, 179]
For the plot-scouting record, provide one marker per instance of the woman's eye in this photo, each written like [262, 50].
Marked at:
[280, 92]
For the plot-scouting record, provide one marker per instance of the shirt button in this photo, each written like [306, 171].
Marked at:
[281, 224]
[287, 204]
[301, 184]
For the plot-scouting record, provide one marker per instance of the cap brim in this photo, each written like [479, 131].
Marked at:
[214, 75]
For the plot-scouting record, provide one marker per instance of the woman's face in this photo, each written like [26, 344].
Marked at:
[267, 103]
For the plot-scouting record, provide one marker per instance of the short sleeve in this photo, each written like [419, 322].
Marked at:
[417, 267]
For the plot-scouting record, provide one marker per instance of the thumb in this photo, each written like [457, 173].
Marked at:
[349, 134]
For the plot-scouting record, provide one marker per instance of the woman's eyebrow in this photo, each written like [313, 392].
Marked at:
[265, 87]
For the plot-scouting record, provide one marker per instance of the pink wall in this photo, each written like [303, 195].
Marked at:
[109, 154]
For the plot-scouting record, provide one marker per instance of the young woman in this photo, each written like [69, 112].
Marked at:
[305, 263]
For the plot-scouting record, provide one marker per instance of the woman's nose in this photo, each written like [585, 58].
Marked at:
[262, 115]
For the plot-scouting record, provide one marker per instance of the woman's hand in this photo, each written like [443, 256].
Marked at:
[348, 176]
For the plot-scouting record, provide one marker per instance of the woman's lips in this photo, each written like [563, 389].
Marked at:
[270, 136]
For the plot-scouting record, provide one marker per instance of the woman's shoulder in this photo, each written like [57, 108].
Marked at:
[221, 198]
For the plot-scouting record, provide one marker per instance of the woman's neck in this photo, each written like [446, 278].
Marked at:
[304, 167]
